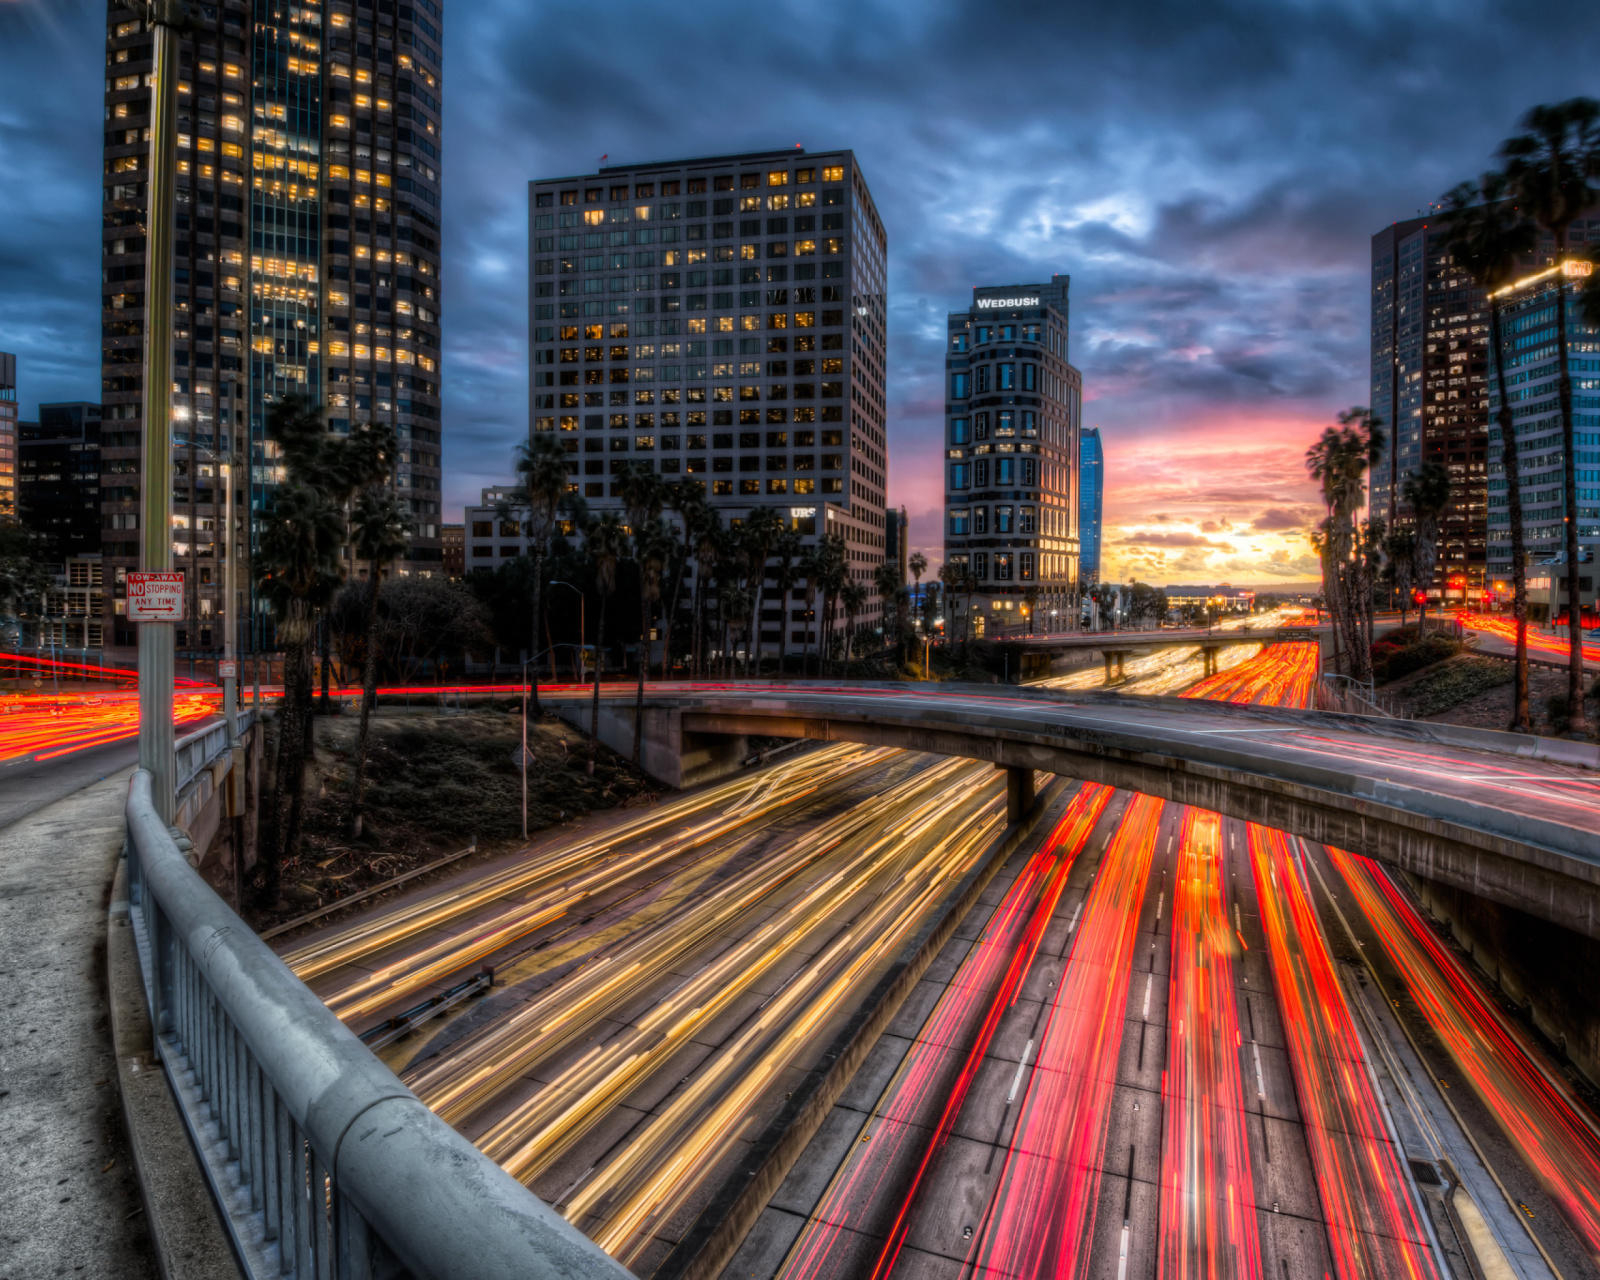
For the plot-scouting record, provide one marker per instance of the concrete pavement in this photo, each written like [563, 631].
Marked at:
[69, 1201]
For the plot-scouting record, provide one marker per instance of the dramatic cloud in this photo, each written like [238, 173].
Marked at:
[1278, 520]
[1208, 175]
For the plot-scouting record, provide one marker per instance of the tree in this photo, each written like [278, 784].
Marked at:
[24, 571]
[379, 529]
[788, 550]
[297, 571]
[1489, 237]
[853, 596]
[605, 541]
[918, 564]
[708, 542]
[543, 480]
[688, 499]
[886, 578]
[653, 547]
[1400, 555]
[1339, 461]
[1551, 169]
[643, 496]
[833, 572]
[1427, 493]
[760, 530]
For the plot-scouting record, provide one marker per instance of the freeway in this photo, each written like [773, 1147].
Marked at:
[1516, 827]
[1034, 1126]
[659, 982]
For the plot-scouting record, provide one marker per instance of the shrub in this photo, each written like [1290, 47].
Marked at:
[1390, 661]
[1455, 682]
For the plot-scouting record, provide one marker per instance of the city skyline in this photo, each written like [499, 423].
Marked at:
[1221, 267]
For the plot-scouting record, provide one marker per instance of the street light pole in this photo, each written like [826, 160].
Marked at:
[155, 638]
[582, 627]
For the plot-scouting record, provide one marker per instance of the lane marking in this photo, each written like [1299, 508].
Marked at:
[1016, 1080]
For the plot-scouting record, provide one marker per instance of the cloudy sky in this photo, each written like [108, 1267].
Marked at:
[1209, 175]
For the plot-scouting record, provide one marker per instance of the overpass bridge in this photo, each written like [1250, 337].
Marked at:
[1509, 818]
[1115, 647]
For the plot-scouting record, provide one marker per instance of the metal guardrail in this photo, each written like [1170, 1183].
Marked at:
[1336, 692]
[196, 752]
[325, 1166]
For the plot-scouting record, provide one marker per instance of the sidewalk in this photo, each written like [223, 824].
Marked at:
[70, 1203]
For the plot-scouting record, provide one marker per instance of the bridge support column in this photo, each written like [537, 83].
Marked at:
[1107, 658]
[1019, 792]
[1121, 674]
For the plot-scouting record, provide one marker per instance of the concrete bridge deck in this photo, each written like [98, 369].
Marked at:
[1512, 819]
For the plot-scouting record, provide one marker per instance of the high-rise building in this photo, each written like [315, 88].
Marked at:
[1430, 332]
[453, 542]
[897, 541]
[721, 320]
[8, 435]
[1528, 325]
[58, 478]
[1091, 497]
[1013, 408]
[306, 260]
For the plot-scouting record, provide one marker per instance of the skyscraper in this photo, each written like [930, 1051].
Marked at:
[722, 320]
[307, 260]
[1528, 323]
[1013, 408]
[1091, 495]
[58, 478]
[1430, 332]
[8, 435]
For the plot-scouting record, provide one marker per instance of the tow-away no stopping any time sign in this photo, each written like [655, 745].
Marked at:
[155, 597]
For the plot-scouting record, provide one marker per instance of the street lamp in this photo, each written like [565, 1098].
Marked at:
[155, 638]
[583, 628]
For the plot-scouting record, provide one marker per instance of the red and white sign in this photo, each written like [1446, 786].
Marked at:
[228, 669]
[155, 597]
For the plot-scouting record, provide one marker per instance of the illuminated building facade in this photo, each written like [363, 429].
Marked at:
[722, 321]
[1091, 499]
[1013, 418]
[1528, 325]
[8, 435]
[306, 262]
[1430, 351]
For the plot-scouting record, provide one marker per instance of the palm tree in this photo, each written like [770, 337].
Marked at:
[1427, 493]
[653, 547]
[787, 549]
[853, 596]
[297, 571]
[1551, 169]
[761, 528]
[605, 542]
[543, 481]
[810, 569]
[379, 527]
[708, 542]
[735, 604]
[833, 572]
[950, 576]
[1400, 554]
[689, 501]
[1490, 238]
[886, 578]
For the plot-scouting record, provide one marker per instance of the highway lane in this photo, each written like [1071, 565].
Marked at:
[28, 783]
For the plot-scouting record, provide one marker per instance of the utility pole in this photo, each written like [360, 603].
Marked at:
[155, 638]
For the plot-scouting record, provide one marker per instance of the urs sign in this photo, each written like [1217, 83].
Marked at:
[155, 597]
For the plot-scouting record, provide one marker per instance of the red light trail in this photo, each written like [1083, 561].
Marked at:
[1373, 1227]
[1040, 1221]
[983, 989]
[1538, 1113]
[1208, 1210]
[1281, 675]
[46, 727]
[1538, 642]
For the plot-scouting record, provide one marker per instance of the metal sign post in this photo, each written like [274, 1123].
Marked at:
[155, 534]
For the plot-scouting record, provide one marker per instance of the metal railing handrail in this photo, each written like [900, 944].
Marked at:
[324, 1164]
